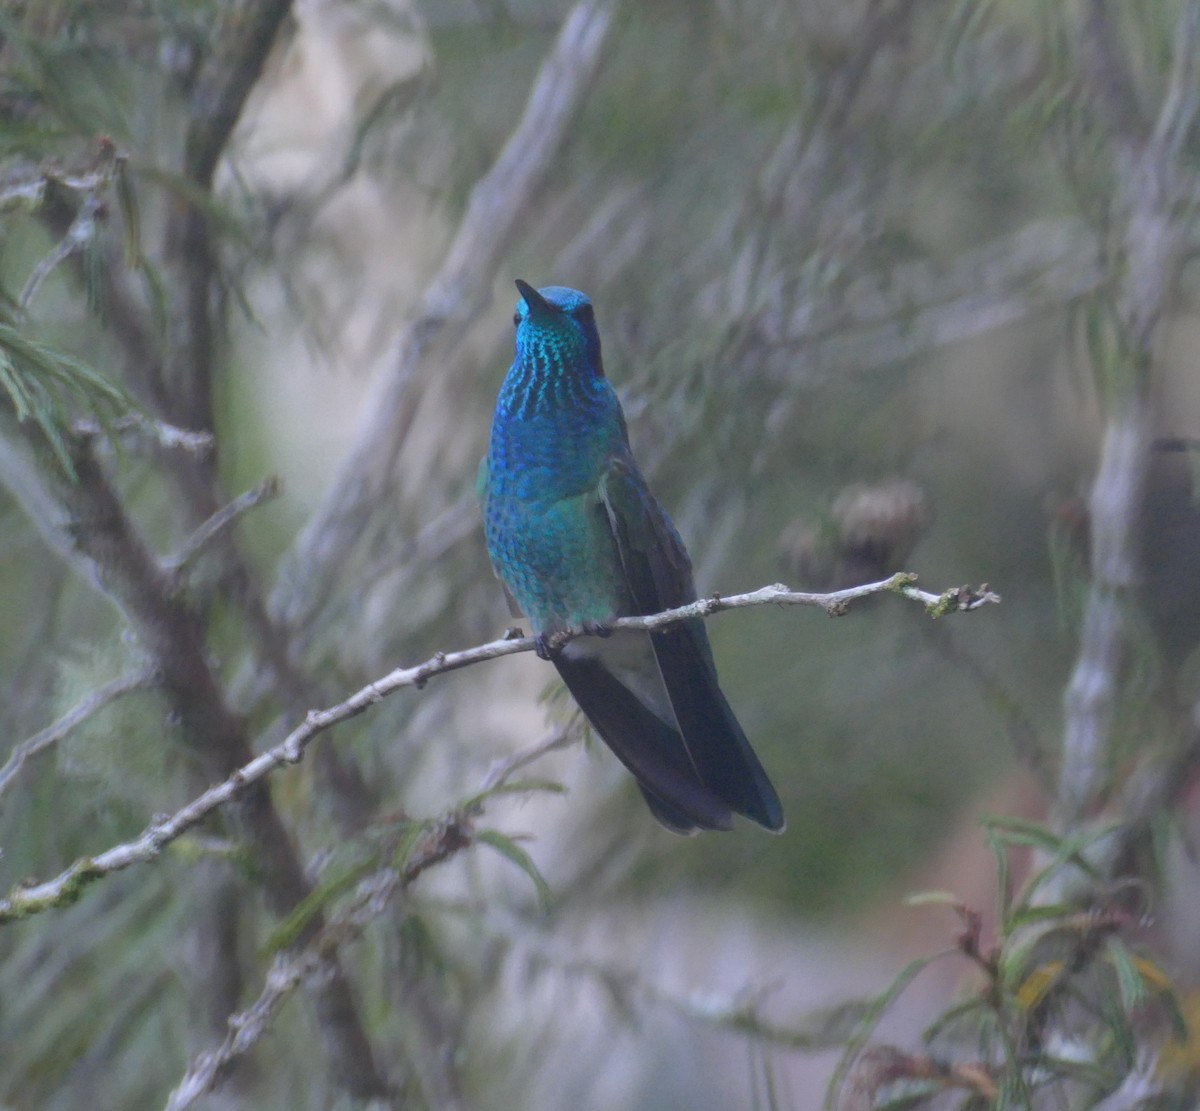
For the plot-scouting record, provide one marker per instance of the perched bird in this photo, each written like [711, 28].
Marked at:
[578, 540]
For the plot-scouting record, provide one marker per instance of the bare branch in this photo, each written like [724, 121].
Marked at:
[443, 840]
[1105, 68]
[1090, 698]
[1179, 106]
[24, 901]
[135, 426]
[502, 770]
[1153, 243]
[23, 190]
[85, 521]
[81, 232]
[91, 704]
[737, 1011]
[231, 71]
[244, 39]
[225, 518]
[25, 185]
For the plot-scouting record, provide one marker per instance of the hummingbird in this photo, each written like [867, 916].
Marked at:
[578, 540]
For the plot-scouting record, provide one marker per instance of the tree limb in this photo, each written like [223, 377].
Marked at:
[26, 900]
[1149, 183]
[219, 523]
[90, 704]
[85, 521]
[230, 72]
[445, 839]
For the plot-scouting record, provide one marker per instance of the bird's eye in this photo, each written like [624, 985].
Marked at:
[585, 313]
[516, 318]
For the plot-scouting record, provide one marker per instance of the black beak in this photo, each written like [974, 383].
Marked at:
[534, 300]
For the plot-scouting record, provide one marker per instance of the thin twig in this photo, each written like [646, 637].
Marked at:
[443, 840]
[81, 232]
[503, 769]
[25, 184]
[735, 1011]
[27, 900]
[1182, 101]
[91, 704]
[24, 192]
[87, 523]
[220, 522]
[738, 1012]
[1018, 724]
[135, 425]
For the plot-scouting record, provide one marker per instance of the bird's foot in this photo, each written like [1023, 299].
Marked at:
[549, 644]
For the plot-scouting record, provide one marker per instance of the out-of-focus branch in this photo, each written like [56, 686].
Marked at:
[497, 201]
[738, 1013]
[791, 175]
[1105, 67]
[793, 165]
[220, 522]
[230, 72]
[91, 704]
[32, 899]
[244, 39]
[1090, 697]
[1142, 1087]
[440, 841]
[1154, 186]
[444, 840]
[920, 306]
[1022, 731]
[1152, 239]
[84, 520]
[81, 233]
[144, 431]
[24, 185]
[503, 769]
[1183, 91]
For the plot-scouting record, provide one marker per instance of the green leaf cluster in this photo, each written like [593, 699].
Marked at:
[52, 389]
[1061, 1005]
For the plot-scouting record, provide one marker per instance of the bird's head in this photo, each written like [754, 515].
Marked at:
[556, 330]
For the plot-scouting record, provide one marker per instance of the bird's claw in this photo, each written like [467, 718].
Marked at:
[549, 645]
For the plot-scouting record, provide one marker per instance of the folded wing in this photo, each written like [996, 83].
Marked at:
[654, 698]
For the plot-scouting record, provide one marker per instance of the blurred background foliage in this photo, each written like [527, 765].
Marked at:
[856, 268]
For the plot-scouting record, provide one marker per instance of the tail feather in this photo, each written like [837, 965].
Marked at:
[718, 747]
[646, 745]
[655, 701]
[674, 820]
